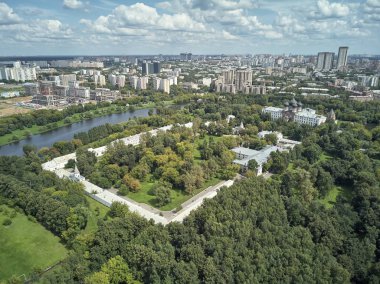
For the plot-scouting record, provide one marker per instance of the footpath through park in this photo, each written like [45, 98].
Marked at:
[107, 197]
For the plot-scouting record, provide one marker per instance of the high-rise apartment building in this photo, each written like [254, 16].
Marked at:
[65, 79]
[342, 58]
[162, 85]
[325, 61]
[120, 81]
[133, 80]
[186, 56]
[100, 80]
[228, 76]
[142, 83]
[150, 68]
[243, 78]
[18, 73]
[156, 67]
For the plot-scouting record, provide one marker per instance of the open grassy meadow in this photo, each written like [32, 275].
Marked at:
[25, 246]
[330, 198]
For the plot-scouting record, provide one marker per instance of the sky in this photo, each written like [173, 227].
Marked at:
[123, 27]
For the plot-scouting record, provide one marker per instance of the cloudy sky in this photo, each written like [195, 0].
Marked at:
[74, 27]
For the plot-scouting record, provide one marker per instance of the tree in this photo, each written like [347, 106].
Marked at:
[312, 153]
[70, 164]
[132, 183]
[118, 271]
[27, 149]
[162, 196]
[97, 278]
[253, 165]
[324, 181]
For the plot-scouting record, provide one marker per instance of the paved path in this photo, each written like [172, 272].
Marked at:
[107, 197]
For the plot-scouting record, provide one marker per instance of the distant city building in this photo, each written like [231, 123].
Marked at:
[150, 68]
[100, 80]
[228, 76]
[186, 56]
[325, 61]
[206, 82]
[161, 85]
[103, 94]
[243, 79]
[142, 83]
[300, 70]
[75, 64]
[176, 72]
[18, 73]
[156, 67]
[120, 81]
[293, 111]
[31, 89]
[65, 79]
[173, 80]
[133, 81]
[342, 58]
[233, 81]
[369, 81]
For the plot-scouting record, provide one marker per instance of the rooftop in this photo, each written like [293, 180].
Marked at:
[273, 108]
[261, 156]
[244, 151]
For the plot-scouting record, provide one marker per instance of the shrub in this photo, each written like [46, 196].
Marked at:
[7, 222]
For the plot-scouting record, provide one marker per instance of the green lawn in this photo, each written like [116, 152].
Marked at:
[26, 245]
[324, 157]
[92, 223]
[178, 196]
[330, 198]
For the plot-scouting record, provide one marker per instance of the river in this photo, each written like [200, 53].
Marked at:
[47, 139]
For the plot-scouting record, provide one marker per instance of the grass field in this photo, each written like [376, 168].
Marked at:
[25, 245]
[330, 198]
[7, 107]
[92, 223]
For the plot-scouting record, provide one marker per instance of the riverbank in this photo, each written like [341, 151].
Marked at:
[25, 133]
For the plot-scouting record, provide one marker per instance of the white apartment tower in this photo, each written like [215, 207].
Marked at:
[100, 80]
[325, 61]
[342, 58]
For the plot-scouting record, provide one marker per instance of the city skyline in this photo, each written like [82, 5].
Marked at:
[76, 27]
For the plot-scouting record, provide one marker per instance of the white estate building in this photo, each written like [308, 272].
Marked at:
[293, 111]
[244, 155]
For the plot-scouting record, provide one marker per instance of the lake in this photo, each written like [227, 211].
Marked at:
[47, 139]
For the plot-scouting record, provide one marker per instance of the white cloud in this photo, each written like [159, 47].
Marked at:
[35, 31]
[373, 3]
[226, 35]
[271, 34]
[140, 16]
[73, 4]
[328, 9]
[290, 25]
[7, 16]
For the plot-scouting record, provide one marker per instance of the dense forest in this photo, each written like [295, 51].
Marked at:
[276, 230]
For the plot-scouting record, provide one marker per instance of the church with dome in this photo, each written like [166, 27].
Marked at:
[294, 111]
